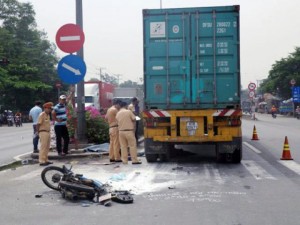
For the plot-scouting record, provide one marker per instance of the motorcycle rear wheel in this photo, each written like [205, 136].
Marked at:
[50, 176]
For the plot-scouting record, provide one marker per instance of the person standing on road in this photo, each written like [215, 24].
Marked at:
[33, 116]
[114, 145]
[59, 116]
[134, 107]
[126, 125]
[273, 111]
[43, 129]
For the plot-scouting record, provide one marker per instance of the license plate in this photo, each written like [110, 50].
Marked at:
[105, 197]
[191, 125]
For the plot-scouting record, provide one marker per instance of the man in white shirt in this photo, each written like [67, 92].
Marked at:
[34, 115]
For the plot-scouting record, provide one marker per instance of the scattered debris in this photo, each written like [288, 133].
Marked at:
[97, 148]
[24, 162]
[178, 168]
[85, 204]
[118, 177]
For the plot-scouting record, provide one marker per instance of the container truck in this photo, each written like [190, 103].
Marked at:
[98, 94]
[192, 81]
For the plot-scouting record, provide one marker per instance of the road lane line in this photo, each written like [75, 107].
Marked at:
[292, 165]
[257, 171]
[252, 147]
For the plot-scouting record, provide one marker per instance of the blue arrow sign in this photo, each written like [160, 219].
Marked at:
[296, 94]
[71, 69]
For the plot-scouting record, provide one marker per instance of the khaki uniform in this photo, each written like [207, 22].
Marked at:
[44, 134]
[126, 125]
[114, 144]
[131, 108]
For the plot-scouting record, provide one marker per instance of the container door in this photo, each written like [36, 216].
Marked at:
[215, 70]
[167, 66]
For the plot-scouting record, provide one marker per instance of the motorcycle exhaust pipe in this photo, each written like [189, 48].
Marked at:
[70, 195]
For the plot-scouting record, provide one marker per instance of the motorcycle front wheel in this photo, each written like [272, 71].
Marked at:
[51, 177]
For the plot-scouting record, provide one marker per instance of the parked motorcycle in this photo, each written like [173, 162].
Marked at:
[76, 186]
[10, 120]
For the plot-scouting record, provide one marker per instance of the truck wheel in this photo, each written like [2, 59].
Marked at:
[151, 157]
[220, 157]
[237, 156]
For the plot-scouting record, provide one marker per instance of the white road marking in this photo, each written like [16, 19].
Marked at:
[292, 165]
[252, 147]
[257, 171]
[215, 173]
[70, 38]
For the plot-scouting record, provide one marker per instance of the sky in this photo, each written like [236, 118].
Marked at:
[269, 31]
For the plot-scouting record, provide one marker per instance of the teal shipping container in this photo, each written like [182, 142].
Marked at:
[191, 58]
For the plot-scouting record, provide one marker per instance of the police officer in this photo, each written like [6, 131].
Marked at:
[43, 128]
[134, 107]
[114, 145]
[126, 125]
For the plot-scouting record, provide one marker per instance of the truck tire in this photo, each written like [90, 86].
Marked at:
[151, 157]
[237, 156]
[220, 157]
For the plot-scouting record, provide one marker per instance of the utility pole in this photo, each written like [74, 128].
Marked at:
[118, 78]
[81, 123]
[100, 69]
[160, 4]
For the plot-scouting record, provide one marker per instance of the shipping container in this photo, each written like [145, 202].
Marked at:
[192, 80]
[98, 94]
[127, 93]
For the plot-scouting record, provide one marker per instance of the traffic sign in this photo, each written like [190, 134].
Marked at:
[252, 86]
[70, 38]
[251, 94]
[293, 82]
[296, 94]
[71, 69]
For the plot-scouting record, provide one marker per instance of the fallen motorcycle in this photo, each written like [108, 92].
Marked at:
[75, 186]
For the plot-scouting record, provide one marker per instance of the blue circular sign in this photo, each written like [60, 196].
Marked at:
[71, 69]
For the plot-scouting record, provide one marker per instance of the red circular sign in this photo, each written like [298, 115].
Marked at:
[293, 82]
[251, 94]
[70, 38]
[252, 86]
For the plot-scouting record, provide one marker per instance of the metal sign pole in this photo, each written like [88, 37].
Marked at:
[81, 123]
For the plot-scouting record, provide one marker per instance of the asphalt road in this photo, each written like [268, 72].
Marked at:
[190, 190]
[15, 141]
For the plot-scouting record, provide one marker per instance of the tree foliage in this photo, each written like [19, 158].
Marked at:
[281, 74]
[31, 73]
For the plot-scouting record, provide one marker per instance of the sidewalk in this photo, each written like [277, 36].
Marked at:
[82, 152]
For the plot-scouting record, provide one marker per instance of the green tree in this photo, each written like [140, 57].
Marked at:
[281, 74]
[31, 73]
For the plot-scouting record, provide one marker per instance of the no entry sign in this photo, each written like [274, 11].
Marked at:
[70, 38]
